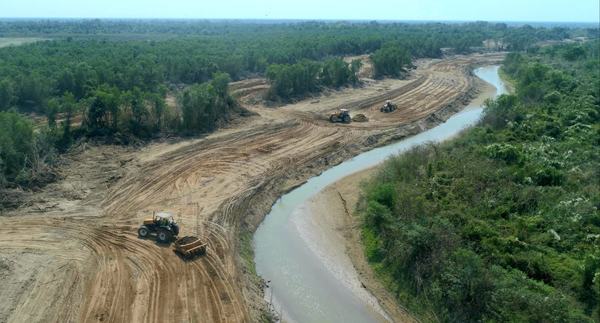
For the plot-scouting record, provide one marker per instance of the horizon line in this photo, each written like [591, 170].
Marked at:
[298, 19]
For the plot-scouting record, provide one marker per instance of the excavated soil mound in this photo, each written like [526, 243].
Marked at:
[360, 118]
[186, 240]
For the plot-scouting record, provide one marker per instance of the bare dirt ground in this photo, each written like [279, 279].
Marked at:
[71, 253]
[366, 70]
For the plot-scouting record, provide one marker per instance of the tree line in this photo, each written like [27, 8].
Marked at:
[28, 152]
[110, 78]
[296, 80]
[391, 60]
[502, 223]
[86, 54]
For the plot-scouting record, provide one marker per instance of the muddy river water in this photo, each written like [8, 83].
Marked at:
[304, 287]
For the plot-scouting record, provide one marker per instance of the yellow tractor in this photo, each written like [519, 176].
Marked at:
[343, 115]
[162, 225]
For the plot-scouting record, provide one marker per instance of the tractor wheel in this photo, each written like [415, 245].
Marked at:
[332, 118]
[347, 119]
[164, 236]
[143, 231]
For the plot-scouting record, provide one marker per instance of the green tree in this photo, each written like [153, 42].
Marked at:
[500, 224]
[7, 94]
[69, 104]
[158, 110]
[103, 111]
[204, 105]
[138, 120]
[336, 73]
[220, 82]
[52, 109]
[32, 92]
[390, 60]
[16, 144]
[293, 81]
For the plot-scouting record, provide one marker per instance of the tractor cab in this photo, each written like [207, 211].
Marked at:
[161, 218]
[162, 224]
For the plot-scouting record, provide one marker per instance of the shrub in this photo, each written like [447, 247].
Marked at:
[16, 144]
[501, 223]
[506, 152]
[391, 60]
[548, 176]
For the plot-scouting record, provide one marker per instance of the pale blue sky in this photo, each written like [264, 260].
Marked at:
[491, 10]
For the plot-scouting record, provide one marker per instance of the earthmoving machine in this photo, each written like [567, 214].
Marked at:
[343, 115]
[388, 107]
[190, 247]
[162, 225]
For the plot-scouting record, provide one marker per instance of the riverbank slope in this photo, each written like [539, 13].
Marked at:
[333, 211]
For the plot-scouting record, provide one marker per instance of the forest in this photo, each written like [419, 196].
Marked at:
[500, 224]
[110, 79]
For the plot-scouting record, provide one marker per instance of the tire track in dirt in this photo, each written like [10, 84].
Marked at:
[93, 267]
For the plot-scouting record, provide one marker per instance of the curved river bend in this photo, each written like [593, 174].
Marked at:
[303, 287]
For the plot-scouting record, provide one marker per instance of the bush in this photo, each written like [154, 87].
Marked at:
[205, 105]
[548, 176]
[464, 288]
[501, 223]
[297, 80]
[16, 145]
[506, 152]
[390, 60]
[292, 81]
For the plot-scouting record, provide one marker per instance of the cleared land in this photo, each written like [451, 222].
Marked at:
[72, 253]
[18, 41]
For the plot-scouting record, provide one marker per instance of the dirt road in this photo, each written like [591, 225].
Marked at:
[72, 253]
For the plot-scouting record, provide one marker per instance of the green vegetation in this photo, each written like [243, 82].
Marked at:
[25, 156]
[390, 60]
[16, 144]
[296, 80]
[501, 224]
[124, 55]
[110, 79]
[204, 105]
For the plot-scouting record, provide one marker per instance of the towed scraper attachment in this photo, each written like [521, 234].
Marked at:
[190, 247]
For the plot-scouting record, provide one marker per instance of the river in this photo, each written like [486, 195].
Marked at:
[303, 287]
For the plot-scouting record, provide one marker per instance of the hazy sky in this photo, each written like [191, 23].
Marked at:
[491, 10]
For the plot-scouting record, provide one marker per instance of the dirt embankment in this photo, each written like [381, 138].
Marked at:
[73, 255]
